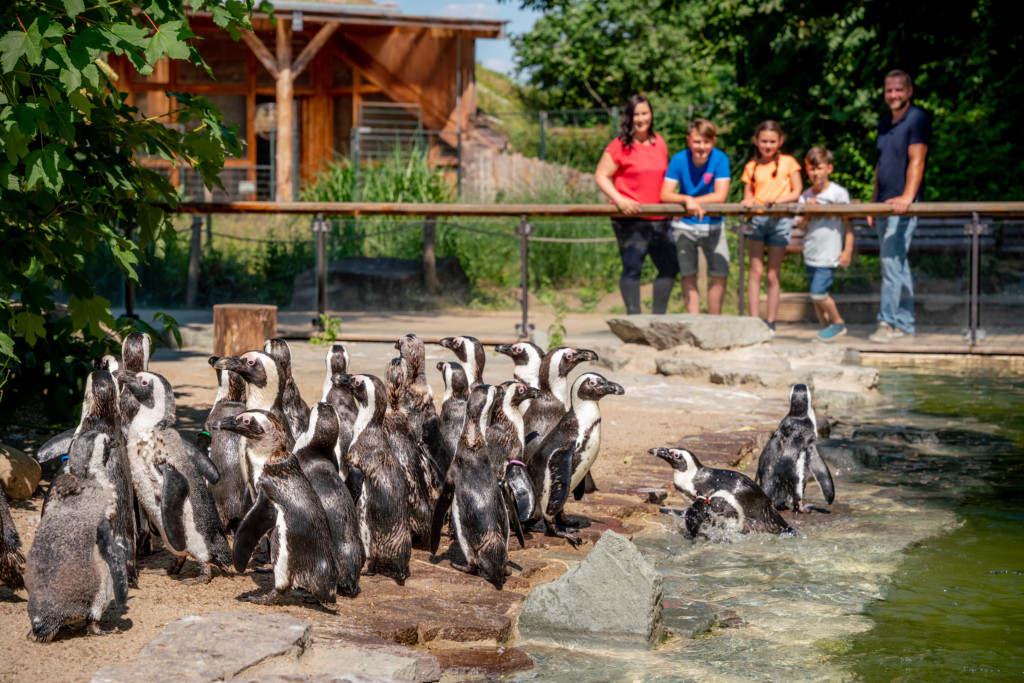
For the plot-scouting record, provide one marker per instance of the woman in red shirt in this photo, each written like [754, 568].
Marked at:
[630, 172]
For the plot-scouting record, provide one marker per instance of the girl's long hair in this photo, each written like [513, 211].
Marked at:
[626, 129]
[771, 127]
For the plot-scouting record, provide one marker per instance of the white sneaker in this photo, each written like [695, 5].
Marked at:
[886, 334]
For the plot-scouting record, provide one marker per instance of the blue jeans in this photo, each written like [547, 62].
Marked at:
[897, 304]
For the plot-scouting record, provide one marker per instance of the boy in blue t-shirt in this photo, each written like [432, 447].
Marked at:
[696, 176]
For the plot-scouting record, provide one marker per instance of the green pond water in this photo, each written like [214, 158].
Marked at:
[918, 576]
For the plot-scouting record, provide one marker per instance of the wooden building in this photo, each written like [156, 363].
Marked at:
[299, 88]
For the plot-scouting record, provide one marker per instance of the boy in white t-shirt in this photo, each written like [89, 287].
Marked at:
[828, 242]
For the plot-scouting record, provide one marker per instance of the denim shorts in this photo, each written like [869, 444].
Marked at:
[774, 231]
[820, 279]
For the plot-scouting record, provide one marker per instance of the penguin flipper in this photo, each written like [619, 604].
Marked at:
[513, 513]
[172, 507]
[591, 485]
[56, 447]
[112, 555]
[354, 482]
[561, 462]
[581, 488]
[444, 501]
[203, 463]
[258, 521]
[819, 468]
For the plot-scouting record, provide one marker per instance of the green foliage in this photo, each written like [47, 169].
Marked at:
[70, 181]
[330, 330]
[556, 330]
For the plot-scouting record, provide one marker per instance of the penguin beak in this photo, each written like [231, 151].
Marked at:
[611, 388]
[660, 453]
[398, 344]
[447, 342]
[440, 366]
[212, 360]
[233, 363]
[532, 392]
[504, 348]
[582, 355]
[341, 380]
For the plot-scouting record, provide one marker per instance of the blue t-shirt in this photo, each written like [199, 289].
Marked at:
[698, 181]
[894, 141]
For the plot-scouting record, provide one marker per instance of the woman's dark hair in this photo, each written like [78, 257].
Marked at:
[626, 130]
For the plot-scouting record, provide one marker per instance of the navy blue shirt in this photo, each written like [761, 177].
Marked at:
[894, 141]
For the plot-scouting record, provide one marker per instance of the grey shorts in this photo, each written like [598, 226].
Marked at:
[712, 243]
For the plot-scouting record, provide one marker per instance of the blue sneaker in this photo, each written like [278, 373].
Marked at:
[831, 332]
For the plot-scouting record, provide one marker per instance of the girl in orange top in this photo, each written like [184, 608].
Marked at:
[770, 178]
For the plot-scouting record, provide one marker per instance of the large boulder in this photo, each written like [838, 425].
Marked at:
[614, 597]
[709, 332]
[19, 473]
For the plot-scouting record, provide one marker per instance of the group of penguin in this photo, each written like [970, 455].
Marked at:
[319, 495]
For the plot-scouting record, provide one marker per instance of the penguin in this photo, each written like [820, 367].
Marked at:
[418, 400]
[413, 459]
[75, 567]
[563, 460]
[731, 496]
[505, 442]
[295, 409]
[470, 353]
[547, 409]
[453, 409]
[316, 451]
[11, 558]
[479, 514]
[383, 502]
[791, 454]
[305, 555]
[341, 399]
[223, 448]
[527, 358]
[168, 482]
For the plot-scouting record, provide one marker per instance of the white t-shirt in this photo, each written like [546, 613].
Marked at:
[823, 242]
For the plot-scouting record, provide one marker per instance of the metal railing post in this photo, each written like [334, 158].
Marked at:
[975, 229]
[524, 229]
[743, 270]
[321, 227]
[543, 119]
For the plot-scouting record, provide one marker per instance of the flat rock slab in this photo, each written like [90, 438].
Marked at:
[482, 661]
[689, 619]
[426, 667]
[709, 332]
[612, 598]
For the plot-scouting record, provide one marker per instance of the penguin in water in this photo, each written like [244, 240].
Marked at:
[566, 455]
[470, 353]
[724, 498]
[75, 567]
[418, 400]
[305, 553]
[223, 447]
[316, 451]
[295, 409]
[791, 454]
[527, 358]
[11, 558]
[479, 514]
[414, 460]
[453, 409]
[383, 503]
[170, 481]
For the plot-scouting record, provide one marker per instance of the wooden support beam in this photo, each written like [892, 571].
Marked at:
[261, 52]
[285, 119]
[310, 51]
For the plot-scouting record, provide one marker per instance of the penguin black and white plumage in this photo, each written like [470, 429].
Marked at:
[414, 460]
[546, 410]
[791, 454]
[223, 448]
[383, 504]
[75, 568]
[470, 353]
[316, 451]
[418, 400]
[505, 443]
[566, 455]
[527, 358]
[339, 397]
[479, 514]
[11, 558]
[453, 409]
[168, 483]
[304, 555]
[295, 409]
[730, 498]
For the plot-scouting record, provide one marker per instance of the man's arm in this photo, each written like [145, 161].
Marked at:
[915, 174]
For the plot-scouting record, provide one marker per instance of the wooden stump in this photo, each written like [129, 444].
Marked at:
[238, 328]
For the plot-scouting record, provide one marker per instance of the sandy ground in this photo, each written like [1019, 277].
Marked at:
[438, 605]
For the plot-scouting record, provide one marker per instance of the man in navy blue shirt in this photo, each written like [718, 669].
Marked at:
[903, 138]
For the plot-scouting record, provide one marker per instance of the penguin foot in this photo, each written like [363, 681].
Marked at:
[370, 569]
[95, 630]
[176, 564]
[271, 598]
[205, 576]
[562, 520]
[553, 530]
[469, 567]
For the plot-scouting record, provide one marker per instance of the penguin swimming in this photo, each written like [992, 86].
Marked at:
[791, 454]
[562, 461]
[383, 504]
[295, 409]
[75, 568]
[11, 558]
[728, 496]
[479, 514]
[527, 358]
[223, 448]
[305, 553]
[168, 483]
[470, 353]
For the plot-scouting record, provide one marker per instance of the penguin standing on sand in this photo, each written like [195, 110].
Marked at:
[723, 498]
[340, 398]
[453, 409]
[305, 555]
[295, 409]
[566, 455]
[479, 514]
[413, 459]
[223, 448]
[791, 454]
[75, 567]
[11, 559]
[527, 358]
[418, 399]
[170, 481]
[470, 353]
[383, 503]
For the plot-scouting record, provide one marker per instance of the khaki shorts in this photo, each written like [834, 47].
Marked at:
[712, 243]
